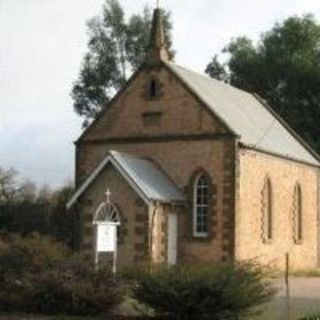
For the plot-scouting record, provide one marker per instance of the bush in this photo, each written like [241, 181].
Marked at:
[312, 317]
[40, 275]
[25, 217]
[33, 253]
[225, 291]
[21, 257]
[75, 289]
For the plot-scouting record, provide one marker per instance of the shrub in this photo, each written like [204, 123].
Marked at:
[40, 275]
[33, 253]
[312, 317]
[74, 289]
[21, 257]
[225, 291]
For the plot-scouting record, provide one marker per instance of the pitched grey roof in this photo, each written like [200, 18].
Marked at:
[245, 116]
[155, 184]
[145, 178]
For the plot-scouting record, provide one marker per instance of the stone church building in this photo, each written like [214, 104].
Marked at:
[196, 171]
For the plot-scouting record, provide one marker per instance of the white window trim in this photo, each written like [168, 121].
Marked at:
[111, 209]
[197, 234]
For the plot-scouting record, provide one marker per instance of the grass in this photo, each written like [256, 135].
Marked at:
[306, 273]
[311, 273]
[300, 308]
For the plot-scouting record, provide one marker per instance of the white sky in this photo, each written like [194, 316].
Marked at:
[42, 43]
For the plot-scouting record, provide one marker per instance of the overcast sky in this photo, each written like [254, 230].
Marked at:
[42, 43]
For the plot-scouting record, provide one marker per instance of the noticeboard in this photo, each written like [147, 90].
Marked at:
[106, 238]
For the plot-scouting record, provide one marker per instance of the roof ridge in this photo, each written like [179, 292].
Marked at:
[203, 75]
[243, 114]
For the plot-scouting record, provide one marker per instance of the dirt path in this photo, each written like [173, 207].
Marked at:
[304, 299]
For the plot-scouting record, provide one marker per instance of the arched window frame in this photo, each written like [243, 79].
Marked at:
[107, 213]
[267, 211]
[298, 214]
[201, 205]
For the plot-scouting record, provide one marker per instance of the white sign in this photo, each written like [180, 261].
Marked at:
[106, 238]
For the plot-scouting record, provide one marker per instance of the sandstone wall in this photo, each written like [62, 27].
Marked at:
[283, 174]
[182, 137]
[134, 216]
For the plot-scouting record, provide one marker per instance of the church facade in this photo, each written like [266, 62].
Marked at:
[196, 171]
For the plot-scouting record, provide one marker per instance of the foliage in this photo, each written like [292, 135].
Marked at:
[224, 291]
[21, 257]
[308, 273]
[312, 317]
[216, 70]
[39, 275]
[64, 224]
[25, 209]
[25, 218]
[74, 289]
[116, 47]
[13, 190]
[33, 253]
[283, 68]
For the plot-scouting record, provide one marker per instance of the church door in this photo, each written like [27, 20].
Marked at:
[172, 238]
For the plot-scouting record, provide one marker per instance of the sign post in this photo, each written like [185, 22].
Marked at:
[106, 241]
[106, 220]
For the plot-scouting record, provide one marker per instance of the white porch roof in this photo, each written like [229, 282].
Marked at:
[144, 176]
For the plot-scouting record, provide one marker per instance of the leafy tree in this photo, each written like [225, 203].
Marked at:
[27, 192]
[25, 209]
[13, 189]
[44, 194]
[217, 70]
[9, 186]
[116, 48]
[283, 68]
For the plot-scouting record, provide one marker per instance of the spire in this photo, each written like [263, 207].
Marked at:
[157, 50]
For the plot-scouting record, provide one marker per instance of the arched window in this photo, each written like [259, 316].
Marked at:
[267, 211]
[200, 205]
[106, 213]
[297, 215]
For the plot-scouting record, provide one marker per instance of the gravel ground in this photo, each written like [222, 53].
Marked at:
[304, 299]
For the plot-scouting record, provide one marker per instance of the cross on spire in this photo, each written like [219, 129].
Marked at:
[108, 195]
